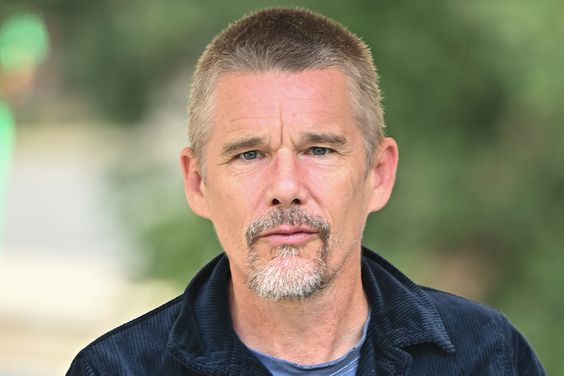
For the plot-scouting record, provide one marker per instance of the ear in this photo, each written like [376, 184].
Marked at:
[194, 187]
[383, 173]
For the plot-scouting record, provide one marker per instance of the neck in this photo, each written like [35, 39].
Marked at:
[317, 329]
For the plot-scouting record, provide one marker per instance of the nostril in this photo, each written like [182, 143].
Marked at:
[295, 201]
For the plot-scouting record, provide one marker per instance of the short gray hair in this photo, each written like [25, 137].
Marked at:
[292, 40]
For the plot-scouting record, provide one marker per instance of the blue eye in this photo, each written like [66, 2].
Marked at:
[318, 150]
[249, 155]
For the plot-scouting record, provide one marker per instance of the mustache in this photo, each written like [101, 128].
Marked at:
[286, 216]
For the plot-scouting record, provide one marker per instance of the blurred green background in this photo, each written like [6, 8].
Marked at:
[473, 95]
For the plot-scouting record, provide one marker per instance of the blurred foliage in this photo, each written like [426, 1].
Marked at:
[473, 94]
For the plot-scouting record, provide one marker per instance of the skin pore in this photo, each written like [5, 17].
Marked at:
[286, 142]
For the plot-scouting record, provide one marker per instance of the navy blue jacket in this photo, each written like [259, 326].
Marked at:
[413, 331]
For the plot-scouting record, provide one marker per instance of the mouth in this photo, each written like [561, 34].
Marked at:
[289, 235]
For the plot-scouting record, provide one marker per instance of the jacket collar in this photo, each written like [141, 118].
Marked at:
[402, 315]
[202, 337]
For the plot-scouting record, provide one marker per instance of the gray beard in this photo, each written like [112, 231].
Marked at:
[287, 276]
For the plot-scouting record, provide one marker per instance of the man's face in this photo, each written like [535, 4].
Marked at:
[285, 180]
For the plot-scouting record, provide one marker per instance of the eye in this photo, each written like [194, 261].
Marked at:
[319, 150]
[250, 155]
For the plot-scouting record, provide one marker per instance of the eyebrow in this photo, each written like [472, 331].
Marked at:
[237, 145]
[323, 138]
[308, 137]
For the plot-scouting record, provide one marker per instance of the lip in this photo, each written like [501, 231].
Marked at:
[289, 235]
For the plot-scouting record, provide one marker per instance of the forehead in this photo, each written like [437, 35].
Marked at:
[311, 96]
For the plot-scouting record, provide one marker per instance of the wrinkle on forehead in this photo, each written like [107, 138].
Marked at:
[245, 118]
[255, 89]
[273, 104]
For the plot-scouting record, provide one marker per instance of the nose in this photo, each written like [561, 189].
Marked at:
[286, 186]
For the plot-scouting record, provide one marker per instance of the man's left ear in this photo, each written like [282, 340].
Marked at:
[383, 173]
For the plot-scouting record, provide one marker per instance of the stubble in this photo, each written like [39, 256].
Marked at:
[286, 275]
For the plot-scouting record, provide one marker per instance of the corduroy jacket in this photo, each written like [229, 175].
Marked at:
[413, 330]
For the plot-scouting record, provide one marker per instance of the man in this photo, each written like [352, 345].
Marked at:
[287, 159]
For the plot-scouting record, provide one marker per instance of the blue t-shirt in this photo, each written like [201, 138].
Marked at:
[345, 365]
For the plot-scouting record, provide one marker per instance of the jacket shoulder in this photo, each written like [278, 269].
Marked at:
[456, 307]
[469, 323]
[136, 343]
[154, 324]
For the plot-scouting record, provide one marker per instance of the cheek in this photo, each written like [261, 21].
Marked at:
[343, 199]
[231, 205]
[338, 189]
[229, 196]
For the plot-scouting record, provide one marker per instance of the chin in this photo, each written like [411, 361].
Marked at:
[288, 275]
